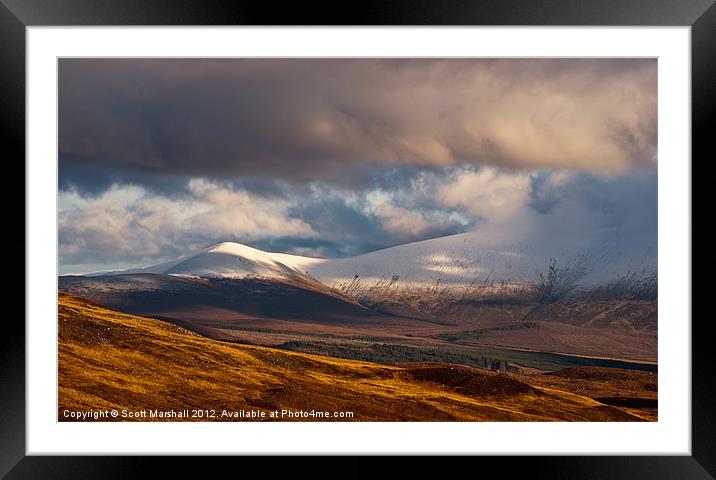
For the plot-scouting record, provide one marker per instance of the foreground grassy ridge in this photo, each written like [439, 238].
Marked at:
[111, 360]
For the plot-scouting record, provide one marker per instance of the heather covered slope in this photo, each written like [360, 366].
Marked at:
[112, 360]
[279, 310]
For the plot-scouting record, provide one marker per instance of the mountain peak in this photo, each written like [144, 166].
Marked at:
[233, 248]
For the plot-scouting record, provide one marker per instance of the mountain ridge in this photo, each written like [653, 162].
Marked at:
[457, 259]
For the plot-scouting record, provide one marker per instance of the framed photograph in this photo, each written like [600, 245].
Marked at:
[462, 230]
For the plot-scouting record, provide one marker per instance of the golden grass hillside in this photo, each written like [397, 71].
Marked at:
[110, 360]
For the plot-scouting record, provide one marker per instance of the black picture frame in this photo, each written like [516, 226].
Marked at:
[16, 15]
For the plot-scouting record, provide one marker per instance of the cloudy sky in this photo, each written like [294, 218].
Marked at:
[337, 157]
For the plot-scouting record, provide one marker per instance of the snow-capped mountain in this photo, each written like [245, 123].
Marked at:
[230, 260]
[461, 258]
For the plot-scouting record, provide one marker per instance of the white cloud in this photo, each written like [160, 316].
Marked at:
[488, 193]
[401, 221]
[239, 213]
[130, 222]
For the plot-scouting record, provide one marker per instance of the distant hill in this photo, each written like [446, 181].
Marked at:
[220, 301]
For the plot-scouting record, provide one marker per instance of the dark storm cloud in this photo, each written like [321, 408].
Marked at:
[93, 179]
[543, 200]
[335, 214]
[328, 119]
[620, 211]
[626, 206]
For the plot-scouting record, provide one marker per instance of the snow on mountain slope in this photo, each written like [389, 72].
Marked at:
[462, 258]
[465, 258]
[229, 260]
